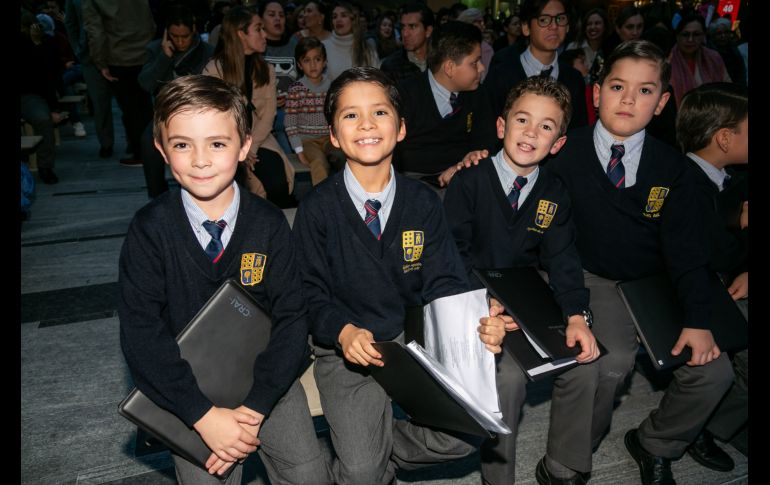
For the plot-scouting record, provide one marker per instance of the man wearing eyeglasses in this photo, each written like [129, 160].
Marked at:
[545, 23]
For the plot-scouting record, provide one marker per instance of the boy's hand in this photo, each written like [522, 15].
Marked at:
[739, 289]
[578, 332]
[216, 465]
[497, 310]
[472, 158]
[303, 159]
[221, 430]
[745, 215]
[704, 349]
[491, 332]
[357, 346]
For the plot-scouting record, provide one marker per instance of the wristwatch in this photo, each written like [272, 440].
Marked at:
[589, 316]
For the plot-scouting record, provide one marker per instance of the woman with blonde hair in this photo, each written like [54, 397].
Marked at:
[238, 60]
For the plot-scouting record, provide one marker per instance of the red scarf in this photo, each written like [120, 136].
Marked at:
[708, 63]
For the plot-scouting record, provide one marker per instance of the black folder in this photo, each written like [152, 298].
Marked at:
[529, 300]
[418, 393]
[221, 344]
[658, 315]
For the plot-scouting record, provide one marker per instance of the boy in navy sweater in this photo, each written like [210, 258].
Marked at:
[636, 213]
[509, 212]
[179, 249]
[373, 242]
[713, 128]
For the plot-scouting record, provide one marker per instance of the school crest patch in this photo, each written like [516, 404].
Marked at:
[469, 122]
[655, 199]
[252, 268]
[545, 212]
[412, 242]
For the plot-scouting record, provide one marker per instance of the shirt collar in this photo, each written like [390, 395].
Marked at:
[532, 66]
[507, 175]
[197, 217]
[714, 174]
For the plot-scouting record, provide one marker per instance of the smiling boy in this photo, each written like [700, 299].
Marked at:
[180, 248]
[373, 242]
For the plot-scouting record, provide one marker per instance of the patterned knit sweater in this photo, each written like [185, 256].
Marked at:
[305, 111]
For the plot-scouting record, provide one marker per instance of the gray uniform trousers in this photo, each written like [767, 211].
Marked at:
[583, 397]
[498, 454]
[369, 443]
[289, 448]
[733, 411]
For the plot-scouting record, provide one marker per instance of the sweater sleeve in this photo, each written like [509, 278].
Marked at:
[291, 120]
[265, 100]
[149, 346]
[443, 273]
[97, 38]
[158, 68]
[686, 249]
[279, 364]
[459, 207]
[326, 317]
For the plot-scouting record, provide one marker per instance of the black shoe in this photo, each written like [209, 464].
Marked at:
[654, 470]
[707, 453]
[105, 152]
[544, 477]
[47, 176]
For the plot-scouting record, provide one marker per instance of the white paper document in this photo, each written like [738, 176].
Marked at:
[490, 421]
[452, 338]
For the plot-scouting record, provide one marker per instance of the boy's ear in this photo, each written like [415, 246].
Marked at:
[597, 89]
[401, 130]
[333, 138]
[448, 66]
[558, 144]
[500, 127]
[662, 102]
[160, 149]
[244, 148]
[723, 138]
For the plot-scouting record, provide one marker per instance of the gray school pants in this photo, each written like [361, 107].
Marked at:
[369, 443]
[289, 450]
[498, 454]
[583, 397]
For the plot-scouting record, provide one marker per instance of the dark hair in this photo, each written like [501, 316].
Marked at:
[570, 55]
[198, 92]
[180, 16]
[454, 41]
[262, 6]
[531, 9]
[706, 110]
[360, 74]
[305, 45]
[638, 49]
[426, 15]
[229, 50]
[542, 86]
[625, 14]
[688, 19]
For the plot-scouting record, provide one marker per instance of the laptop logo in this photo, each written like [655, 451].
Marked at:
[252, 268]
[494, 274]
[243, 309]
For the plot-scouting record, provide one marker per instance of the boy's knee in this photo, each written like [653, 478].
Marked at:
[313, 472]
[720, 374]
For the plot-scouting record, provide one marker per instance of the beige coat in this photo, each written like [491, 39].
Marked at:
[264, 100]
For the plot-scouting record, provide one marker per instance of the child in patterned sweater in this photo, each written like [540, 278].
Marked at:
[305, 123]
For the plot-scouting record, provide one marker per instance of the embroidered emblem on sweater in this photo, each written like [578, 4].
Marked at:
[469, 122]
[412, 242]
[545, 212]
[252, 268]
[655, 201]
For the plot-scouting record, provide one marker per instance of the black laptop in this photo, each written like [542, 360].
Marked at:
[221, 344]
[658, 316]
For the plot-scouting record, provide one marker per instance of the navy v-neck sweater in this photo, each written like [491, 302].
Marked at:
[166, 277]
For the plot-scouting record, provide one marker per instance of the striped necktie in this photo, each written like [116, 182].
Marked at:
[454, 101]
[615, 169]
[372, 220]
[215, 248]
[546, 72]
[513, 195]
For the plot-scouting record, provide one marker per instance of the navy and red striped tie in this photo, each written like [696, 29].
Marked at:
[215, 248]
[454, 101]
[372, 220]
[513, 195]
[615, 169]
